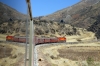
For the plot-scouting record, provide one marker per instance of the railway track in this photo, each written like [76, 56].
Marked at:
[1, 41]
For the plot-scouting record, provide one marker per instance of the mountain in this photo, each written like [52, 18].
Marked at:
[10, 19]
[76, 14]
[14, 23]
[7, 13]
[84, 14]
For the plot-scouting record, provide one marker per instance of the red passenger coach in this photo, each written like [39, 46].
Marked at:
[53, 40]
[16, 39]
[46, 40]
[22, 39]
[35, 40]
[40, 41]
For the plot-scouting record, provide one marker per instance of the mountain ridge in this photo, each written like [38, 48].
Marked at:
[63, 13]
[8, 12]
[83, 15]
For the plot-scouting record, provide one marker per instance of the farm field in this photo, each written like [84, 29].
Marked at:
[87, 54]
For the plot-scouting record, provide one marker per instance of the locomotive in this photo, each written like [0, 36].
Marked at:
[37, 40]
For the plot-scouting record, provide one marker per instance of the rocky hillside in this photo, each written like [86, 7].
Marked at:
[8, 14]
[41, 27]
[84, 14]
[79, 14]
[95, 27]
[10, 19]
[51, 28]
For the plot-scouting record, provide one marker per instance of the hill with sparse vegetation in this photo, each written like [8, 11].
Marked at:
[84, 14]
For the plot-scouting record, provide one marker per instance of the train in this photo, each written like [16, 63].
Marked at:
[37, 40]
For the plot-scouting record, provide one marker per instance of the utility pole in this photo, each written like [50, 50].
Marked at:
[26, 50]
[31, 36]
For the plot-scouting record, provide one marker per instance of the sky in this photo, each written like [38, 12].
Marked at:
[40, 7]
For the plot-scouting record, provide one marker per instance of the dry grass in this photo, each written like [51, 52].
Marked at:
[3, 37]
[11, 55]
[70, 55]
[5, 51]
[80, 53]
